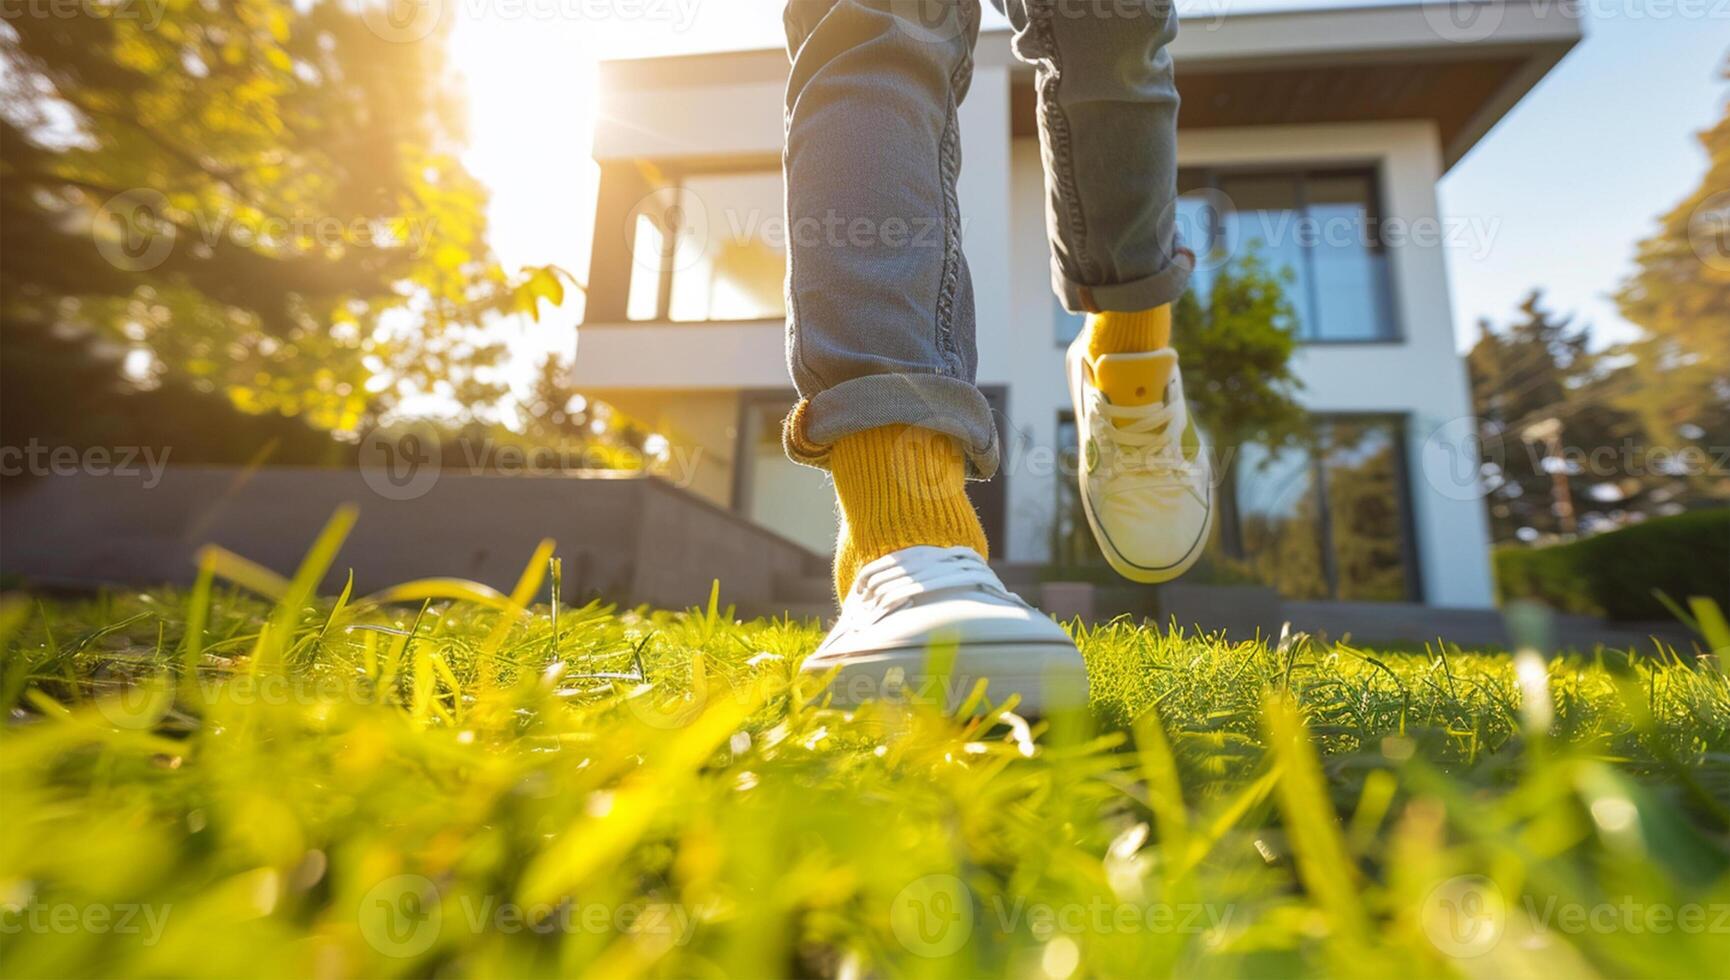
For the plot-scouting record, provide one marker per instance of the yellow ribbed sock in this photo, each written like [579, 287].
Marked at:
[1129, 333]
[899, 486]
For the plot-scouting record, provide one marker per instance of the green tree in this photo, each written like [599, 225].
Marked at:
[259, 198]
[1542, 372]
[1243, 331]
[1680, 298]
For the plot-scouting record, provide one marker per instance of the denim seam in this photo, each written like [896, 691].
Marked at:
[949, 168]
[1062, 149]
[797, 363]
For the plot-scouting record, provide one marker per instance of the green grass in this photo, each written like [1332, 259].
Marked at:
[438, 782]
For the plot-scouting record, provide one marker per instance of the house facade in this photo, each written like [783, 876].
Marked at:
[1312, 140]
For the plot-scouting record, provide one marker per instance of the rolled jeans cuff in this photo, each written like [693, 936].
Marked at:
[1163, 287]
[929, 401]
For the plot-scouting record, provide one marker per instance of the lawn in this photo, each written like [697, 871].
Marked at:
[245, 779]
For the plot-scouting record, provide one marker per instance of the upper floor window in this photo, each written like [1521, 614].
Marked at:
[1323, 226]
[709, 247]
[1320, 226]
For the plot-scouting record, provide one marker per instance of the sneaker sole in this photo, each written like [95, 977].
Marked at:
[1048, 676]
[1119, 564]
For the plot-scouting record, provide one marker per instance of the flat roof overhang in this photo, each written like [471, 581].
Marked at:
[1349, 64]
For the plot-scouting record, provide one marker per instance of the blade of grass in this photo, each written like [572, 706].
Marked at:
[1311, 826]
[197, 618]
[247, 574]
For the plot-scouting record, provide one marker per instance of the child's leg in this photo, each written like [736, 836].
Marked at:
[1107, 106]
[1108, 125]
[880, 305]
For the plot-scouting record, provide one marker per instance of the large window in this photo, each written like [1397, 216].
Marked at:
[1329, 521]
[772, 490]
[709, 247]
[1321, 227]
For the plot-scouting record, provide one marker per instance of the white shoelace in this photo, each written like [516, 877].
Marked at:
[1155, 430]
[891, 582]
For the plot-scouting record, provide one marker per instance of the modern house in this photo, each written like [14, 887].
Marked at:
[1313, 138]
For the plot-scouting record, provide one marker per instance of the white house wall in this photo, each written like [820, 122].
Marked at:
[1004, 233]
[1421, 377]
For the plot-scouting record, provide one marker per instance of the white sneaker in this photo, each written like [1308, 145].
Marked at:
[906, 603]
[1146, 482]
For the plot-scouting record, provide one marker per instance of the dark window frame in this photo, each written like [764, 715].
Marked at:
[1393, 324]
[1397, 424]
[675, 175]
[1375, 205]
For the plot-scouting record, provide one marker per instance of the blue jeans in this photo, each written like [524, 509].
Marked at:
[880, 322]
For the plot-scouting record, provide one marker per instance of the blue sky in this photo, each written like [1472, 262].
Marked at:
[1572, 179]
[1580, 170]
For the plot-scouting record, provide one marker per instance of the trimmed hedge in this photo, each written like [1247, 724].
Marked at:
[1614, 574]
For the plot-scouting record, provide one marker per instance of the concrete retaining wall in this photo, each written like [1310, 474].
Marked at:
[632, 539]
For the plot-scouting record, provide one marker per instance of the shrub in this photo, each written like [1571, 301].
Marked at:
[1617, 574]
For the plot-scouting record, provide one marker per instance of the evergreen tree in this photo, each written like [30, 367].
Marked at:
[1680, 298]
[1539, 372]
